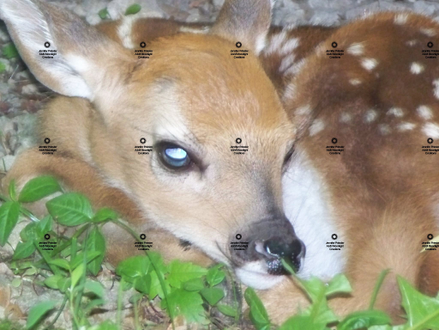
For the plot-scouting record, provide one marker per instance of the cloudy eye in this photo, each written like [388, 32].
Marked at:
[175, 157]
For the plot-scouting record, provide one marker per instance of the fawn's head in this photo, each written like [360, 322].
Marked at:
[195, 104]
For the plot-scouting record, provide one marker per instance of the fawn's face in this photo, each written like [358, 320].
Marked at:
[191, 101]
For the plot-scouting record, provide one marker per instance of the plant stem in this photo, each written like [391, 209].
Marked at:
[378, 285]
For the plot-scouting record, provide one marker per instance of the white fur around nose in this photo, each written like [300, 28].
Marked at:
[306, 205]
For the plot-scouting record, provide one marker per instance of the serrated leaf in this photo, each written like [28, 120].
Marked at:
[133, 267]
[227, 310]
[133, 9]
[188, 304]
[53, 281]
[364, 319]
[37, 312]
[103, 13]
[9, 212]
[143, 283]
[212, 295]
[258, 313]
[156, 287]
[70, 209]
[38, 188]
[9, 51]
[195, 284]
[96, 243]
[422, 311]
[23, 250]
[104, 214]
[180, 272]
[338, 284]
[215, 275]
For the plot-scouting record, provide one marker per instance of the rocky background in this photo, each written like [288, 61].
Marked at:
[21, 96]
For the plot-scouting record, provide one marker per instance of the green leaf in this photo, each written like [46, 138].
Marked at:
[133, 267]
[9, 212]
[23, 250]
[96, 243]
[16, 282]
[62, 263]
[212, 295]
[70, 209]
[94, 287]
[422, 311]
[38, 311]
[77, 274]
[180, 272]
[9, 51]
[79, 259]
[188, 304]
[103, 13]
[12, 190]
[133, 9]
[53, 281]
[301, 322]
[227, 310]
[142, 284]
[156, 287]
[215, 275]
[64, 284]
[195, 284]
[2, 67]
[104, 214]
[38, 188]
[364, 319]
[338, 284]
[29, 233]
[107, 325]
[258, 314]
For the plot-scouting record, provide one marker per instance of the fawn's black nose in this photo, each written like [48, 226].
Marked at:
[275, 250]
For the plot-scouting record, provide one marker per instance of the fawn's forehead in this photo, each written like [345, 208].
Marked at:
[194, 82]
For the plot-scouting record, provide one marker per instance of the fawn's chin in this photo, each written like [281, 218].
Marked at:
[255, 274]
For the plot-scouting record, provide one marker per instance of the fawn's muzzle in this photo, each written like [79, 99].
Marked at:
[270, 241]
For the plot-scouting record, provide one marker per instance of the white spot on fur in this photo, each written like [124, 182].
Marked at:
[345, 117]
[290, 92]
[306, 204]
[411, 43]
[317, 126]
[355, 82]
[275, 42]
[436, 88]
[431, 130]
[428, 32]
[287, 62]
[416, 68]
[406, 126]
[424, 112]
[303, 110]
[369, 63]
[356, 49]
[296, 68]
[289, 46]
[200, 30]
[370, 116]
[124, 31]
[384, 129]
[397, 112]
[401, 18]
[261, 43]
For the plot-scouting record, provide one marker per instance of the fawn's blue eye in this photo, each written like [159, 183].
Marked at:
[175, 157]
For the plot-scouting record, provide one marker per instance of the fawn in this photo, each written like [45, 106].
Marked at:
[342, 163]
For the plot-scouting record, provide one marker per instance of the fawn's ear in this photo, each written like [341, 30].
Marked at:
[82, 53]
[246, 21]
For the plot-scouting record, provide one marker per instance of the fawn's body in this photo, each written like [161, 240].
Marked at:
[192, 99]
